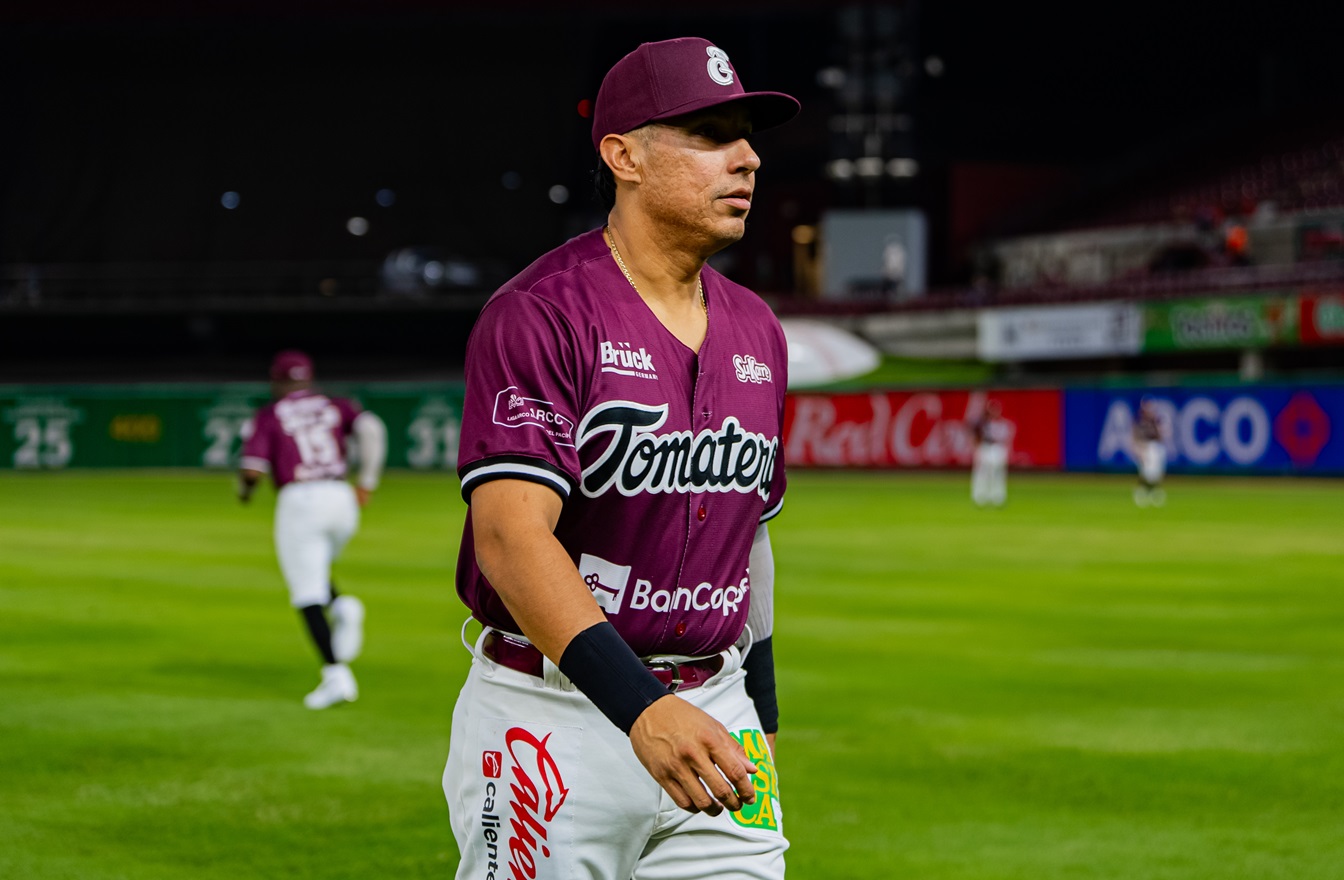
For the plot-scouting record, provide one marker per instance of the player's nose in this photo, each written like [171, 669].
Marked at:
[744, 158]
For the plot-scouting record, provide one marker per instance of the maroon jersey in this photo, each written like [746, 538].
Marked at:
[667, 460]
[988, 430]
[1149, 426]
[300, 437]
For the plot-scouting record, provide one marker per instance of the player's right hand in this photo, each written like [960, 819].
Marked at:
[693, 757]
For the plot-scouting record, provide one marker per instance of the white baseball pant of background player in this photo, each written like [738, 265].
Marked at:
[516, 785]
[1153, 462]
[989, 474]
[313, 523]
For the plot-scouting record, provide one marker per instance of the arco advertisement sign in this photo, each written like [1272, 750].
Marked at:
[1262, 429]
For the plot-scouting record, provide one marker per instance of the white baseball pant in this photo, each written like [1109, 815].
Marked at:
[313, 523]
[989, 474]
[541, 785]
[1152, 462]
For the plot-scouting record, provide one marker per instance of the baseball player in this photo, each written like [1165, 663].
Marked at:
[1150, 453]
[989, 462]
[300, 440]
[620, 454]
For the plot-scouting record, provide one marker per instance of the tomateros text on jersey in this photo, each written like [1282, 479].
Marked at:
[638, 460]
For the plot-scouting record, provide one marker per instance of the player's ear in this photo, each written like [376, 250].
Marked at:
[622, 154]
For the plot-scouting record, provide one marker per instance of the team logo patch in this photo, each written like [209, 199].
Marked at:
[514, 410]
[749, 369]
[491, 764]
[764, 814]
[623, 359]
[719, 69]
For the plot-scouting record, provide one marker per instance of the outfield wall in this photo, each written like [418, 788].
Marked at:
[197, 425]
[1267, 428]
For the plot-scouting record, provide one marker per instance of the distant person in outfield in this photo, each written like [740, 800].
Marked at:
[1150, 454]
[620, 453]
[989, 462]
[300, 440]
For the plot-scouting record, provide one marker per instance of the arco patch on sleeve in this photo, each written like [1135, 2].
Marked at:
[764, 814]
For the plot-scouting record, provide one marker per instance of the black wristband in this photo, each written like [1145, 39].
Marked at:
[760, 668]
[601, 664]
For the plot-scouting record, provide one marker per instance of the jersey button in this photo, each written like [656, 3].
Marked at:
[700, 514]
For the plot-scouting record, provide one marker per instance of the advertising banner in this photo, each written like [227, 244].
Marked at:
[1045, 332]
[925, 429]
[1229, 322]
[198, 426]
[1252, 429]
[1320, 240]
[1322, 318]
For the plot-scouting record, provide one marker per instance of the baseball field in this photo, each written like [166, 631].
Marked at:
[1068, 687]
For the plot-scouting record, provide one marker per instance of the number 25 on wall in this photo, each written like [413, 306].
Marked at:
[42, 443]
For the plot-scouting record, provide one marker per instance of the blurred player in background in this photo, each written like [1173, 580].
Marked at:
[989, 464]
[620, 456]
[300, 440]
[1150, 454]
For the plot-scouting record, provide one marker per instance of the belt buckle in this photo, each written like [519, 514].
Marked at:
[670, 666]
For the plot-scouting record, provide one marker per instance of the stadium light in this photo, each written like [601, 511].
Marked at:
[903, 168]
[869, 166]
[840, 169]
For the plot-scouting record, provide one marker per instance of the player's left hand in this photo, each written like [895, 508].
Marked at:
[693, 757]
[363, 495]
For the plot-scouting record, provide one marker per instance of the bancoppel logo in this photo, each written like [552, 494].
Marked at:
[606, 579]
[751, 370]
[702, 597]
[719, 69]
[535, 413]
[491, 764]
[624, 360]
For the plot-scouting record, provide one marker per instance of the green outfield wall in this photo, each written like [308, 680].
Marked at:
[52, 428]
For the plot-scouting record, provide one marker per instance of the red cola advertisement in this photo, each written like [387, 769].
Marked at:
[917, 429]
[1321, 321]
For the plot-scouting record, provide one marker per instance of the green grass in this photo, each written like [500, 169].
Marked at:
[896, 372]
[1069, 687]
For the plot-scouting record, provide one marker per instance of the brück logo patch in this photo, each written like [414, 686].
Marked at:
[514, 410]
[625, 360]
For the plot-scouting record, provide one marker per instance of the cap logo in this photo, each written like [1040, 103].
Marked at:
[719, 69]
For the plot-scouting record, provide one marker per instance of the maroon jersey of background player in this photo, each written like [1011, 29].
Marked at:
[667, 460]
[300, 438]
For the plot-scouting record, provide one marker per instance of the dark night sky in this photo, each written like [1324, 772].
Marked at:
[123, 128]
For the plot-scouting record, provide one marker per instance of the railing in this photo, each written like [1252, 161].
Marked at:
[243, 286]
[1223, 281]
[182, 285]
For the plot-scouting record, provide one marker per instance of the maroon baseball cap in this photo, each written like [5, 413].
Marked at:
[674, 77]
[292, 366]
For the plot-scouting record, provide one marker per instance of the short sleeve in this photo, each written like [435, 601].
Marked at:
[349, 412]
[522, 397]
[256, 445]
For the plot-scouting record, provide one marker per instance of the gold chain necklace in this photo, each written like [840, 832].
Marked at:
[611, 243]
